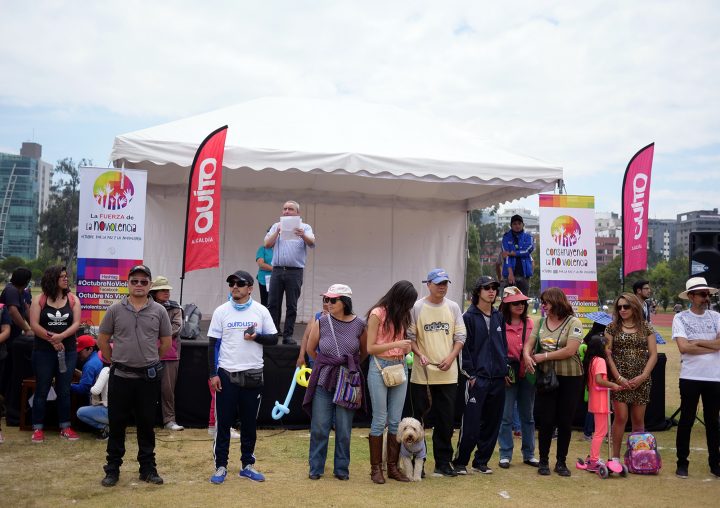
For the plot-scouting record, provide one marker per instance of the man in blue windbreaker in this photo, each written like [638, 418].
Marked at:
[517, 247]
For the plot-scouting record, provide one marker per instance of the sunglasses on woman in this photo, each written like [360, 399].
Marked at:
[139, 282]
[517, 304]
[238, 283]
[623, 306]
[330, 300]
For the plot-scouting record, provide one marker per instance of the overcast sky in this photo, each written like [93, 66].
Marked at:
[580, 84]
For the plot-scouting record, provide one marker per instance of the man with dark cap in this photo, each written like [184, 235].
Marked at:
[484, 363]
[238, 331]
[135, 323]
[517, 247]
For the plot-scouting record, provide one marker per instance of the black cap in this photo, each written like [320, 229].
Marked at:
[487, 280]
[516, 218]
[140, 268]
[241, 275]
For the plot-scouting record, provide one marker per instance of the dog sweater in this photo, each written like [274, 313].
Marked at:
[415, 450]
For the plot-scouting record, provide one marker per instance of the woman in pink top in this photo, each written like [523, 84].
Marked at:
[387, 322]
[518, 328]
[595, 368]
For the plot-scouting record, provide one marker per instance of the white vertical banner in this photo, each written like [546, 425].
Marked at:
[567, 254]
[111, 235]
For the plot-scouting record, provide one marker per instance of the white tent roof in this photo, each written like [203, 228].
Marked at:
[350, 149]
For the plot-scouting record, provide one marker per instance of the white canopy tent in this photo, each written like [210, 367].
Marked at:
[385, 190]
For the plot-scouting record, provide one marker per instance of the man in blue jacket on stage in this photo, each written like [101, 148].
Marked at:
[517, 247]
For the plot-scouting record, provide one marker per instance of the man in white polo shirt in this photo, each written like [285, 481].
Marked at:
[697, 334]
[238, 331]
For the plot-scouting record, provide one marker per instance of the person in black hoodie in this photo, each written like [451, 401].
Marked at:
[484, 362]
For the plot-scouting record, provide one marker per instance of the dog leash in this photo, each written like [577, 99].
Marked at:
[427, 389]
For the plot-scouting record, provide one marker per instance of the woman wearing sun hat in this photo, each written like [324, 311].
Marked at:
[696, 332]
[336, 340]
[518, 328]
[160, 292]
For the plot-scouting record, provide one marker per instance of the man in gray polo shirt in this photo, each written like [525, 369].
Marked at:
[135, 323]
[288, 261]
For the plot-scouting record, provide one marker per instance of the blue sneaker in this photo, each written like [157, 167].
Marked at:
[251, 473]
[219, 476]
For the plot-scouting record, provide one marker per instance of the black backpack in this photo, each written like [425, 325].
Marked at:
[191, 323]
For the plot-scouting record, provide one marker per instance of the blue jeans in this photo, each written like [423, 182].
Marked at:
[523, 393]
[387, 403]
[95, 416]
[323, 410]
[45, 367]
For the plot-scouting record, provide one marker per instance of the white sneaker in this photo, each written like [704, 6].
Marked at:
[173, 426]
[234, 434]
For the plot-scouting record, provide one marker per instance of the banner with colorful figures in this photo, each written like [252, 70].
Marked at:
[111, 236]
[567, 254]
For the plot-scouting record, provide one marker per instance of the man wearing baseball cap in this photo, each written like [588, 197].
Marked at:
[238, 331]
[91, 366]
[437, 335]
[136, 323]
[517, 247]
[696, 332]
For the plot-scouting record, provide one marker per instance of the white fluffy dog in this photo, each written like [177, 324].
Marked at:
[411, 437]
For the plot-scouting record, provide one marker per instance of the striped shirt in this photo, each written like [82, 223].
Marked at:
[348, 335]
[290, 252]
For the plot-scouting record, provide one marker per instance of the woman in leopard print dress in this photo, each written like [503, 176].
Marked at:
[632, 354]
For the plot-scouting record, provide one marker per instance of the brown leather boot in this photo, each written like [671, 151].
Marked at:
[393, 453]
[376, 446]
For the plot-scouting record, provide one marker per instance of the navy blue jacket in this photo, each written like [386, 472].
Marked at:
[484, 354]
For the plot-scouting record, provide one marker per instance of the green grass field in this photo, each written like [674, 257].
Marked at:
[59, 473]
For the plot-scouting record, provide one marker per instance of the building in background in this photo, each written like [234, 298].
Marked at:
[606, 248]
[502, 220]
[695, 221]
[662, 237]
[24, 194]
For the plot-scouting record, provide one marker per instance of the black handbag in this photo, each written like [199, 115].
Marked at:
[545, 379]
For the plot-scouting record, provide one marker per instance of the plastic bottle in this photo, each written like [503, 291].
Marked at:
[62, 366]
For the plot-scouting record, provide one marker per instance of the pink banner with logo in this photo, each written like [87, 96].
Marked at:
[635, 204]
[202, 228]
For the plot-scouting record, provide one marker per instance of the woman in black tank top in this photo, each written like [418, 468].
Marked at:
[55, 319]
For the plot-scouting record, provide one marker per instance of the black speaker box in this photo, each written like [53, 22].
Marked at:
[705, 256]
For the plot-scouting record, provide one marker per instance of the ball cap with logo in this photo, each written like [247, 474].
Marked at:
[337, 290]
[140, 268]
[84, 342]
[696, 284]
[486, 280]
[437, 275]
[241, 276]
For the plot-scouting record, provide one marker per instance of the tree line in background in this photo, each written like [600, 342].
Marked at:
[57, 226]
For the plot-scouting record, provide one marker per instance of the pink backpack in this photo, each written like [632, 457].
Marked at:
[642, 456]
